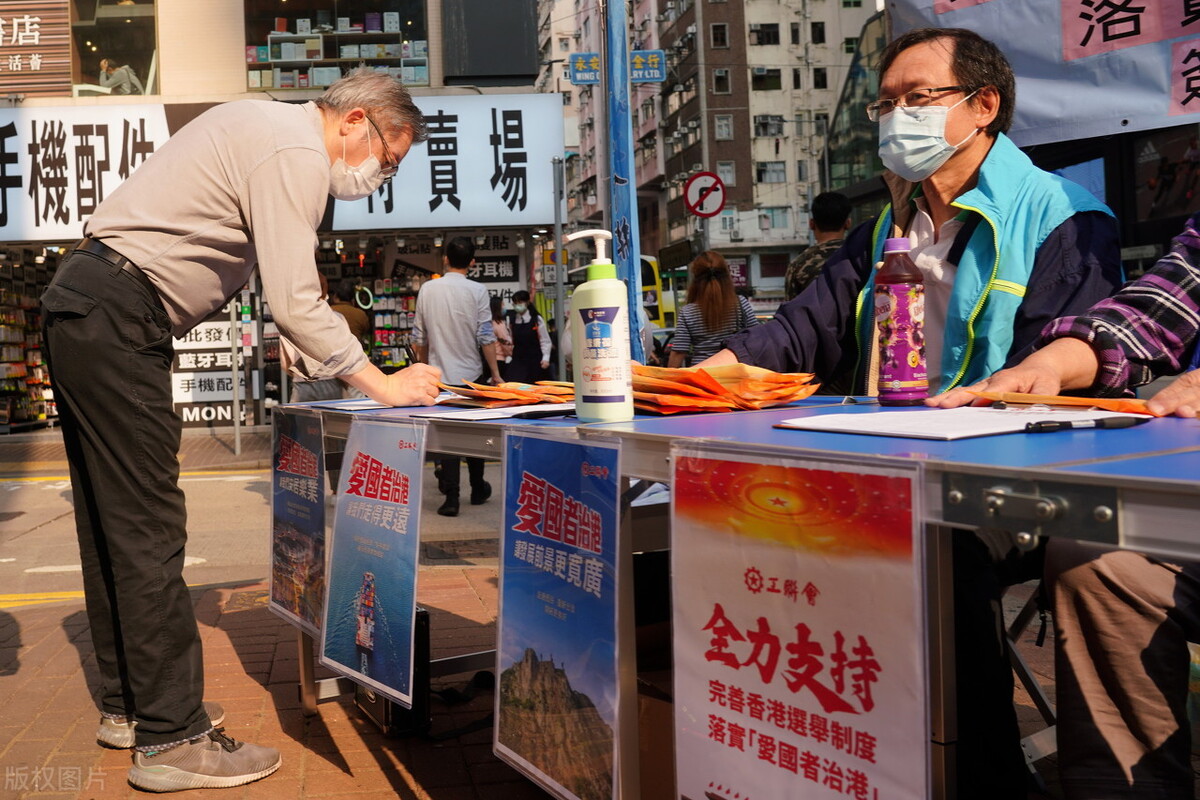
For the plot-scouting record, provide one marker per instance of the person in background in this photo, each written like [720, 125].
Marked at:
[452, 324]
[324, 389]
[1122, 619]
[996, 269]
[504, 343]
[712, 312]
[242, 186]
[829, 220]
[120, 78]
[342, 301]
[531, 341]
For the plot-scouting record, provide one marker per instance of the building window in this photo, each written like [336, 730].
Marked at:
[802, 171]
[764, 79]
[818, 33]
[764, 33]
[776, 217]
[796, 78]
[719, 34]
[564, 45]
[770, 172]
[723, 127]
[772, 265]
[851, 3]
[850, 45]
[311, 45]
[728, 220]
[768, 125]
[727, 172]
[820, 78]
[795, 31]
[122, 34]
[721, 82]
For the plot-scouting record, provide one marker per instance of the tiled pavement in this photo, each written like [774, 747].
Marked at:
[47, 671]
[48, 721]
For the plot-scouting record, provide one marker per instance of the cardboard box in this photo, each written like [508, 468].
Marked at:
[373, 22]
[323, 76]
[281, 25]
[348, 51]
[302, 79]
[254, 79]
[304, 25]
[264, 54]
[391, 22]
[276, 51]
[343, 23]
[312, 48]
[251, 54]
[420, 48]
[268, 78]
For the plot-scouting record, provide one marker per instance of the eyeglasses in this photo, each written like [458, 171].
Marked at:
[913, 99]
[392, 164]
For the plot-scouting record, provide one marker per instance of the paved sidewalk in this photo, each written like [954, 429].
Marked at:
[48, 674]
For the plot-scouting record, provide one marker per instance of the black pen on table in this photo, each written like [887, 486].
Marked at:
[1106, 423]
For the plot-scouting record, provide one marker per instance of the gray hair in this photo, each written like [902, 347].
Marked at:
[384, 98]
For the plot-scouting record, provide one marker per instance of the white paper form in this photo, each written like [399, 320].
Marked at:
[944, 423]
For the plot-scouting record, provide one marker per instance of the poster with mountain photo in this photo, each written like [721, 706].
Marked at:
[557, 699]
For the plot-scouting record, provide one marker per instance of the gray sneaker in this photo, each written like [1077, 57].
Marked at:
[214, 761]
[118, 733]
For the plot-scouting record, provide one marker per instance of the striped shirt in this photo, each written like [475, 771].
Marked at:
[1150, 327]
[692, 337]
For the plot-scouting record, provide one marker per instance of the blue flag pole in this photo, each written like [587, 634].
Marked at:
[623, 188]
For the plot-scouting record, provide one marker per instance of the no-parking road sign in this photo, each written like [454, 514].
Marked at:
[704, 194]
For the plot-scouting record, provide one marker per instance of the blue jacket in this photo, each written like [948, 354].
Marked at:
[1035, 247]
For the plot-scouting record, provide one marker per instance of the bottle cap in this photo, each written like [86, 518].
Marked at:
[897, 245]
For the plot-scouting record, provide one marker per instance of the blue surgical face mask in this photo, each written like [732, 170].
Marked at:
[519, 308]
[912, 140]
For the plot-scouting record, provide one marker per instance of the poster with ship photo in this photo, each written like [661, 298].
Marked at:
[556, 703]
[370, 606]
[798, 628]
[298, 519]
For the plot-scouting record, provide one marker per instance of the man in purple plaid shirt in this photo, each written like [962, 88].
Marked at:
[1122, 619]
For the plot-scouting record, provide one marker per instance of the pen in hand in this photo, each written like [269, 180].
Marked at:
[1108, 423]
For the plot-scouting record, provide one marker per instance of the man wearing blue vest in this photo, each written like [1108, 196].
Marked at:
[1004, 248]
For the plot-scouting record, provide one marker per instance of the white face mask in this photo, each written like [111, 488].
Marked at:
[912, 141]
[355, 183]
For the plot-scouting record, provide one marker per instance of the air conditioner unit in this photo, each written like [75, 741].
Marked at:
[697, 167]
[660, 18]
[735, 235]
[679, 87]
[760, 70]
[693, 123]
[754, 26]
[670, 5]
[691, 29]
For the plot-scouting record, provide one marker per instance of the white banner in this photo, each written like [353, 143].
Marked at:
[1084, 67]
[486, 164]
[799, 629]
[58, 163]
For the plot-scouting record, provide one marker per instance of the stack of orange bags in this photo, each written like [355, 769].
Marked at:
[663, 390]
[504, 395]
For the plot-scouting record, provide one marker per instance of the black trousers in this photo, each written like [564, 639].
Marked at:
[451, 478]
[108, 345]
[990, 764]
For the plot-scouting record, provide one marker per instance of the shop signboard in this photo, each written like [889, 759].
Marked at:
[1084, 68]
[371, 598]
[584, 68]
[557, 700]
[298, 518]
[487, 163]
[798, 628]
[35, 48]
[202, 375]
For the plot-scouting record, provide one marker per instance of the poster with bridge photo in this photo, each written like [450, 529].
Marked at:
[298, 519]
[370, 605]
[557, 693]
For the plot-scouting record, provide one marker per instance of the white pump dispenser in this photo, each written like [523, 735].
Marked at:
[600, 339]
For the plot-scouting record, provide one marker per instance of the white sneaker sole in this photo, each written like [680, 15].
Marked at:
[121, 736]
[171, 779]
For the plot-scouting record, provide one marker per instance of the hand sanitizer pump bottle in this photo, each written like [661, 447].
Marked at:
[600, 343]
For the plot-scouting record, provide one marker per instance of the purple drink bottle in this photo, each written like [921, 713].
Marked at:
[900, 319]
